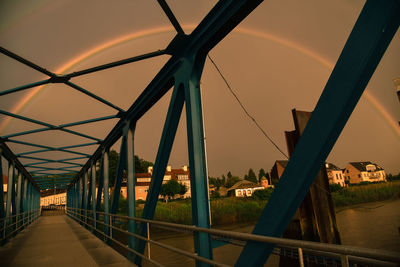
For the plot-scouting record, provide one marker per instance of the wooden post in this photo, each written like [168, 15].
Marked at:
[317, 206]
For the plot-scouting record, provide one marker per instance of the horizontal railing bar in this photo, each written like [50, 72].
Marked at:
[116, 241]
[179, 251]
[340, 249]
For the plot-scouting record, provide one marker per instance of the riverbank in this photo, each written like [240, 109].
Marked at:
[231, 210]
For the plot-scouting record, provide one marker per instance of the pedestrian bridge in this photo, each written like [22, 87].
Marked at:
[59, 241]
[92, 222]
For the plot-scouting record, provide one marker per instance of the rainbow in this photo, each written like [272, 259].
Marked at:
[68, 66]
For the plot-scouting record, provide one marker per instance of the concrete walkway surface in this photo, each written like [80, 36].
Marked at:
[58, 241]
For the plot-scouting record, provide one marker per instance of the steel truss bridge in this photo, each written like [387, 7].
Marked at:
[371, 35]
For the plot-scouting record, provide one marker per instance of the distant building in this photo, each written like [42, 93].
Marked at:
[335, 174]
[143, 180]
[244, 188]
[357, 172]
[56, 199]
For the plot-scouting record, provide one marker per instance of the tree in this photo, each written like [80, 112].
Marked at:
[251, 176]
[261, 174]
[183, 189]
[141, 165]
[229, 174]
[231, 181]
[170, 189]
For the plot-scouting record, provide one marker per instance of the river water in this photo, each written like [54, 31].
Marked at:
[372, 225]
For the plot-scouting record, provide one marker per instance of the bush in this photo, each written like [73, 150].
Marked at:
[335, 187]
[264, 194]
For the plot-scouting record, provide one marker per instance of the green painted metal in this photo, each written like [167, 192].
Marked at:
[190, 79]
[164, 150]
[93, 182]
[2, 211]
[130, 170]
[10, 184]
[24, 199]
[118, 180]
[24, 87]
[106, 179]
[368, 41]
[19, 196]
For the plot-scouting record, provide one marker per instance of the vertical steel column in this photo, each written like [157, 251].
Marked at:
[106, 200]
[197, 159]
[85, 195]
[29, 202]
[19, 198]
[371, 35]
[80, 203]
[130, 169]
[2, 211]
[120, 172]
[100, 186]
[164, 151]
[10, 184]
[13, 208]
[93, 167]
[24, 201]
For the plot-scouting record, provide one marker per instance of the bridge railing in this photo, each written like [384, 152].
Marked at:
[9, 227]
[304, 251]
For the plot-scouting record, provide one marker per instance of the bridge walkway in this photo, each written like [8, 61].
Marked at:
[59, 241]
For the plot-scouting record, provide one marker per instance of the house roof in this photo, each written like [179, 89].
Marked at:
[333, 167]
[243, 184]
[5, 179]
[361, 166]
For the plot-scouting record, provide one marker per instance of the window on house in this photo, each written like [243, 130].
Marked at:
[359, 176]
[347, 171]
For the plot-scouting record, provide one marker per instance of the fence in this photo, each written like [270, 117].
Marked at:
[106, 225]
[9, 227]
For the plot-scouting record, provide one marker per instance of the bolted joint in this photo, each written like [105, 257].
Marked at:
[59, 79]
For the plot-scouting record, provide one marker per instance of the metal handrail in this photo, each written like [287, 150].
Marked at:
[342, 252]
[26, 218]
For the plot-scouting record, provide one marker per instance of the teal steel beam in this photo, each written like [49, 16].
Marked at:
[371, 35]
[171, 16]
[10, 184]
[13, 193]
[118, 180]
[54, 78]
[94, 96]
[54, 160]
[26, 62]
[85, 195]
[50, 126]
[106, 190]
[49, 150]
[27, 132]
[61, 126]
[2, 204]
[27, 119]
[94, 202]
[88, 121]
[19, 194]
[24, 199]
[116, 63]
[24, 87]
[164, 151]
[190, 80]
[10, 156]
[130, 170]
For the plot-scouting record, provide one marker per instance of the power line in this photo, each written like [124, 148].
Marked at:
[245, 110]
